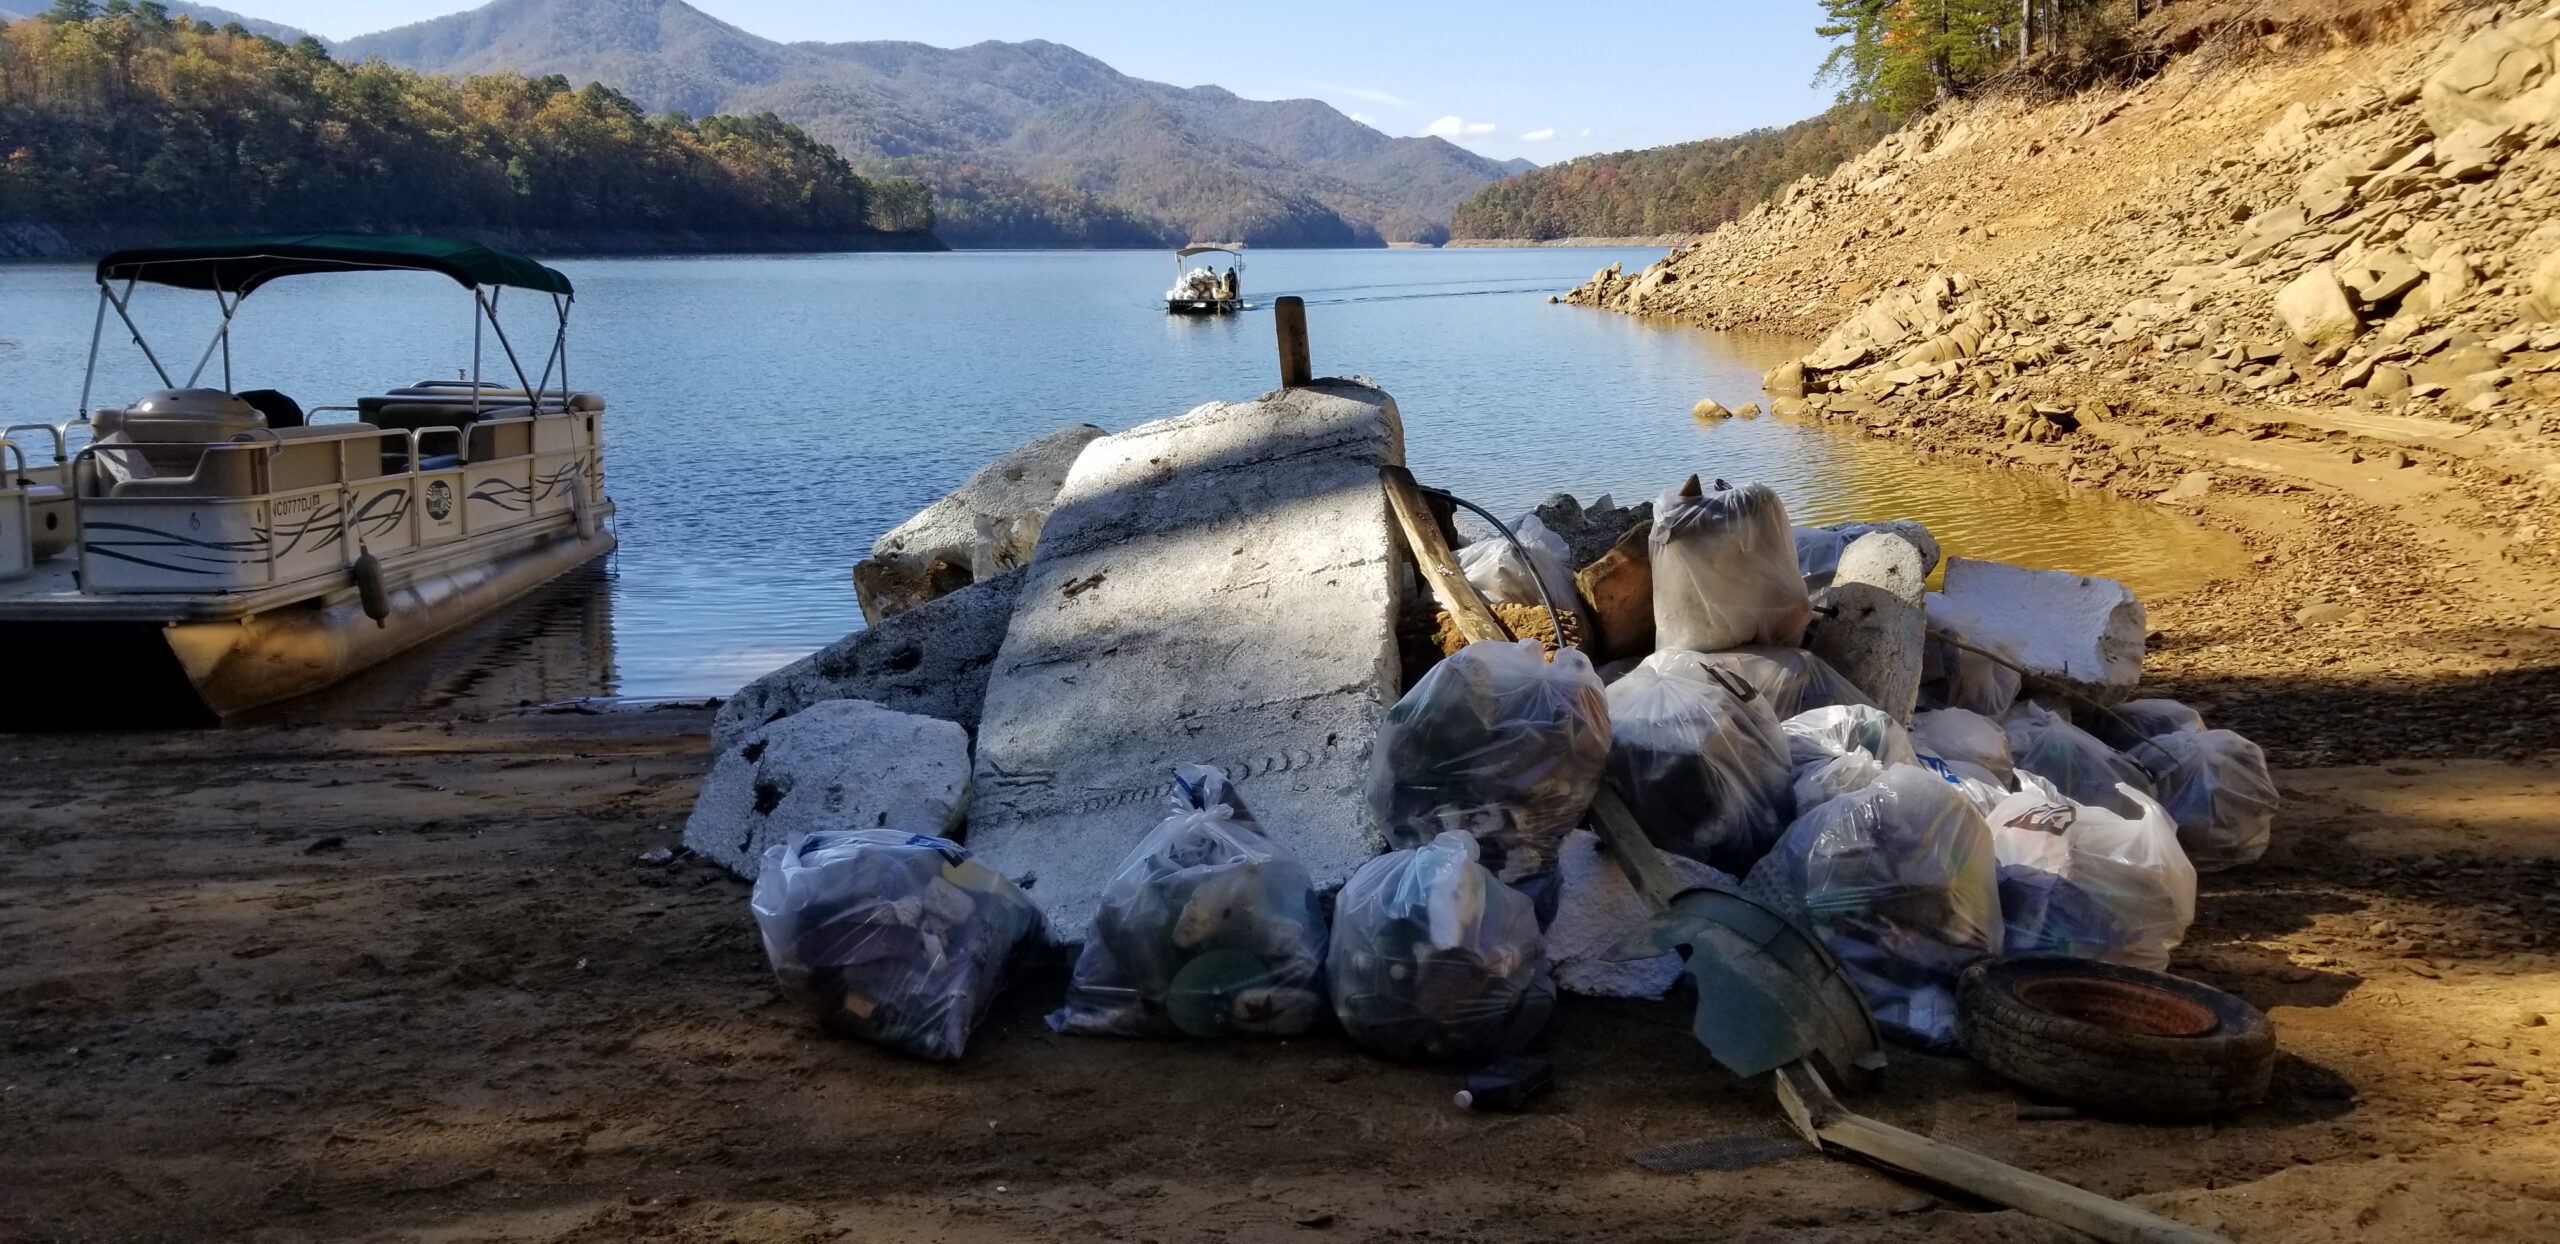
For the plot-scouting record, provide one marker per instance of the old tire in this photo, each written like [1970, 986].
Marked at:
[2115, 1039]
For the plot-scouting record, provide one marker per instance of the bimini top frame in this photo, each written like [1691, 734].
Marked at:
[233, 268]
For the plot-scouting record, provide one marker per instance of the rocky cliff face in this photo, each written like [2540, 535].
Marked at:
[2369, 226]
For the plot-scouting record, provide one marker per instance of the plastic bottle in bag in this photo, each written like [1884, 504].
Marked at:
[2085, 882]
[2041, 742]
[1900, 880]
[1207, 929]
[893, 937]
[1792, 680]
[2216, 785]
[1434, 958]
[1724, 569]
[1499, 742]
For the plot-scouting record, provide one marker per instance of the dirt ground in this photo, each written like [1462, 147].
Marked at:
[413, 982]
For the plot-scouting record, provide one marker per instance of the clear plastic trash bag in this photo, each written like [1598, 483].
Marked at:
[2133, 721]
[889, 936]
[1208, 929]
[1724, 571]
[1434, 958]
[1900, 880]
[1819, 734]
[1963, 738]
[1499, 742]
[2085, 770]
[1825, 780]
[1497, 570]
[2085, 882]
[2216, 785]
[1702, 764]
[1951, 677]
[1792, 680]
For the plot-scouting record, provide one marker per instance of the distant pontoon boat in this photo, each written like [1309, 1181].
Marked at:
[202, 551]
[1205, 290]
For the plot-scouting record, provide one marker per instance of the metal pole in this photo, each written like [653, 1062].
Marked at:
[491, 307]
[89, 375]
[129, 327]
[222, 341]
[475, 354]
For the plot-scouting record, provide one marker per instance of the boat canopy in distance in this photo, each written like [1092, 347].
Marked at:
[239, 265]
[1198, 247]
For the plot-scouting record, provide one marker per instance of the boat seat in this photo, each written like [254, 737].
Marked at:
[218, 471]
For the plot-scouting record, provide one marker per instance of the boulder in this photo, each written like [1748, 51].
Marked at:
[2542, 288]
[1870, 624]
[1784, 380]
[2380, 277]
[1709, 410]
[842, 764]
[931, 661]
[2448, 282]
[2191, 488]
[2073, 630]
[2315, 309]
[2504, 75]
[1222, 588]
[936, 552]
[1618, 587]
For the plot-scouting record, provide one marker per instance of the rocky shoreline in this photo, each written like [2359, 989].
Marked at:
[1659, 239]
[2137, 323]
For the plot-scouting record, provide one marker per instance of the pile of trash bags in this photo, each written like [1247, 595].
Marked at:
[1434, 958]
[1499, 570]
[893, 937]
[1200, 282]
[2088, 882]
[2215, 783]
[1701, 763]
[1499, 742]
[1208, 929]
[1789, 680]
[1724, 569]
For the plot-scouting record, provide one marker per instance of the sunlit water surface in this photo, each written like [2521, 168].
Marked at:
[768, 416]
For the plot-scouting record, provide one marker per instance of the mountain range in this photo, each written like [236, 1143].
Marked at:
[1031, 143]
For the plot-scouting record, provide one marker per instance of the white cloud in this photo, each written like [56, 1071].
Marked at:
[1586, 131]
[1539, 136]
[1458, 127]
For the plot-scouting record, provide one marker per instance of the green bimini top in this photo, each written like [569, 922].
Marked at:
[239, 265]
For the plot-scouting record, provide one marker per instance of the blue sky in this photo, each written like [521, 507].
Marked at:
[1547, 80]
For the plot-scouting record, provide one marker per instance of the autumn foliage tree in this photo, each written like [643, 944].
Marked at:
[118, 113]
[1903, 55]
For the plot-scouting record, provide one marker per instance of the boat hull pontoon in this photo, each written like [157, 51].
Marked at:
[204, 554]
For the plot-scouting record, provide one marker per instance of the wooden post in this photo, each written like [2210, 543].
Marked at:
[1289, 314]
[1476, 619]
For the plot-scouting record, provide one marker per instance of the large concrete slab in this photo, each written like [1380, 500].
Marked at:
[2081, 632]
[1220, 588]
[931, 660]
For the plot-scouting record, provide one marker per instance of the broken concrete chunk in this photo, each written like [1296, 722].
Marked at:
[2315, 309]
[1869, 623]
[931, 660]
[2081, 632]
[934, 553]
[1618, 585]
[843, 764]
[1221, 588]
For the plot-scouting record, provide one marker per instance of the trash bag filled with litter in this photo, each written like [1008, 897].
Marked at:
[1724, 570]
[1899, 879]
[1952, 677]
[1207, 929]
[1499, 742]
[1819, 734]
[889, 936]
[1970, 743]
[2043, 743]
[1433, 958]
[1702, 764]
[1498, 570]
[2133, 721]
[2216, 785]
[1822, 781]
[2085, 882]
[1790, 680]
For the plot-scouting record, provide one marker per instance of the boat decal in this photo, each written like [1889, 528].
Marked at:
[507, 495]
[560, 481]
[112, 551]
[322, 525]
[171, 538]
[383, 514]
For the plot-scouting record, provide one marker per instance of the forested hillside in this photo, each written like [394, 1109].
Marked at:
[126, 114]
[1685, 188]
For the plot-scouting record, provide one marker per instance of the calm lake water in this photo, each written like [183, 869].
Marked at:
[769, 416]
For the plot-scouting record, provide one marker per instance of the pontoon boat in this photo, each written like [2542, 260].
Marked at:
[203, 551]
[1205, 290]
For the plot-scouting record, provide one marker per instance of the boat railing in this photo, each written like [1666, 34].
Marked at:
[285, 505]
